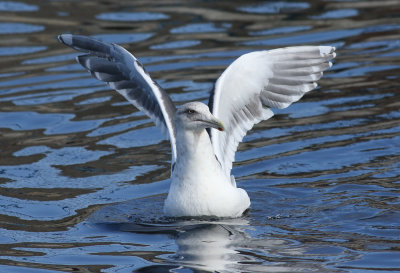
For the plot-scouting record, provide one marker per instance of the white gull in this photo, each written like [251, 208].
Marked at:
[201, 183]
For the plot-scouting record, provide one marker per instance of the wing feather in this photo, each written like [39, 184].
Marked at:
[124, 73]
[258, 81]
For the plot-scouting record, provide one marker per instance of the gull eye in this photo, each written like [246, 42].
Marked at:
[190, 111]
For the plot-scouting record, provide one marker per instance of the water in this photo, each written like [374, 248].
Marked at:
[83, 174]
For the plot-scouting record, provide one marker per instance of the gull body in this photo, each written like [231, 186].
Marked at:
[199, 185]
[245, 93]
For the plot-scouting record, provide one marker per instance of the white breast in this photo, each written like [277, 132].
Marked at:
[199, 187]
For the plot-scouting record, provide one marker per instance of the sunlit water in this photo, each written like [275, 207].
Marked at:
[83, 174]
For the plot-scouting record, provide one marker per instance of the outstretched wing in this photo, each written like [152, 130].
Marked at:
[258, 81]
[123, 72]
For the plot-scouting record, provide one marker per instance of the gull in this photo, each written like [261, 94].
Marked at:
[204, 138]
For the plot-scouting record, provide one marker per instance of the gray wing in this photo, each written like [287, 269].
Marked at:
[123, 72]
[258, 81]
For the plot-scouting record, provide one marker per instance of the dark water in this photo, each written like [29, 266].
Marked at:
[83, 174]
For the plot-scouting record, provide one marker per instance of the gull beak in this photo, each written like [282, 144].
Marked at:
[213, 122]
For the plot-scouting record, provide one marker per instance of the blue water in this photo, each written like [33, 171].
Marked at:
[83, 174]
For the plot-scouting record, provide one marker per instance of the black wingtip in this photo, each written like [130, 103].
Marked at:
[86, 44]
[66, 39]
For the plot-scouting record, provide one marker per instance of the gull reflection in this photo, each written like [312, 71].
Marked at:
[210, 247]
[203, 246]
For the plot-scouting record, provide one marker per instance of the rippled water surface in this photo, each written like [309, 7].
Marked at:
[83, 174]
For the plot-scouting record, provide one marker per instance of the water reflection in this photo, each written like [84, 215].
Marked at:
[13, 28]
[275, 7]
[13, 6]
[209, 247]
[132, 16]
[205, 244]
[201, 245]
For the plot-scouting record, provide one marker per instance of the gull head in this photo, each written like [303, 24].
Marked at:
[196, 116]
